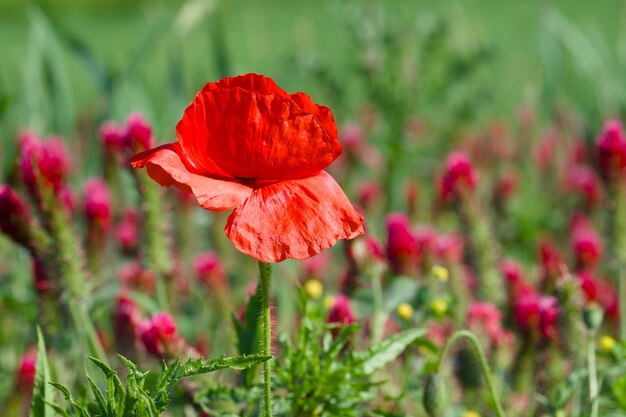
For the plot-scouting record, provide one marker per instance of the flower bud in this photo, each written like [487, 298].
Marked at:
[440, 272]
[607, 344]
[405, 311]
[592, 316]
[434, 399]
[313, 288]
[439, 306]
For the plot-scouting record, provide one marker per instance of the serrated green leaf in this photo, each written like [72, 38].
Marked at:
[58, 409]
[68, 397]
[384, 352]
[100, 400]
[106, 369]
[42, 393]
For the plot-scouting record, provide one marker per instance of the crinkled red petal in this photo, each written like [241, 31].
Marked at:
[249, 129]
[169, 166]
[293, 219]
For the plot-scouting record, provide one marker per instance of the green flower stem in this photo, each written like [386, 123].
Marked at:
[379, 314]
[616, 245]
[482, 249]
[483, 364]
[593, 374]
[157, 253]
[265, 270]
[70, 263]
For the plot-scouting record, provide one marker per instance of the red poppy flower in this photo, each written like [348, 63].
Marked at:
[246, 144]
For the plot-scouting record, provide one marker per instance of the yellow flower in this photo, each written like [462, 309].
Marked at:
[440, 272]
[405, 311]
[439, 306]
[471, 413]
[329, 300]
[607, 343]
[313, 288]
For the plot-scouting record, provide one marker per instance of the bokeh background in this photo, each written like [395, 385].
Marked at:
[66, 61]
[522, 86]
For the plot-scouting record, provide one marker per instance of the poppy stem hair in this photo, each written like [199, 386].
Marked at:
[265, 270]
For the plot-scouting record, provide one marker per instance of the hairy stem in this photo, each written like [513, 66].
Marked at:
[70, 263]
[265, 270]
[157, 254]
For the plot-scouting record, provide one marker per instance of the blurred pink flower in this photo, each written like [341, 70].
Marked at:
[402, 246]
[43, 163]
[112, 137]
[25, 377]
[581, 179]
[341, 311]
[449, 247]
[459, 176]
[15, 217]
[209, 269]
[536, 313]
[585, 242]
[159, 336]
[97, 204]
[125, 319]
[138, 133]
[127, 232]
[368, 193]
[133, 276]
[351, 137]
[612, 151]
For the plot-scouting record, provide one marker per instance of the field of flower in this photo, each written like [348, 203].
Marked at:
[312, 209]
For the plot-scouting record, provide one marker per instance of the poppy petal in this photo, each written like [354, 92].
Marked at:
[169, 166]
[260, 84]
[255, 83]
[257, 135]
[293, 219]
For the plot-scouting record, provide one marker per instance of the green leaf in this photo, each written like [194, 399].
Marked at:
[68, 397]
[384, 352]
[58, 409]
[400, 290]
[619, 391]
[100, 400]
[200, 366]
[42, 393]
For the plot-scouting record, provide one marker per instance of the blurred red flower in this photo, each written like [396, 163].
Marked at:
[246, 144]
[612, 151]
[25, 377]
[159, 336]
[459, 176]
